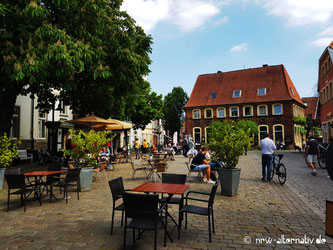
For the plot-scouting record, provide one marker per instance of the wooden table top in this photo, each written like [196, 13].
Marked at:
[43, 173]
[165, 188]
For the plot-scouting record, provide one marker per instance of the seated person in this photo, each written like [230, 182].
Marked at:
[153, 149]
[199, 163]
[104, 155]
[171, 152]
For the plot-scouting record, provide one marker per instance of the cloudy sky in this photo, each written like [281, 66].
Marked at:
[193, 37]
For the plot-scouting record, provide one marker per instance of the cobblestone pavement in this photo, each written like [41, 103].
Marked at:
[312, 190]
[260, 210]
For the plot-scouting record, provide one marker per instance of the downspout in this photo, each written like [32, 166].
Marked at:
[32, 122]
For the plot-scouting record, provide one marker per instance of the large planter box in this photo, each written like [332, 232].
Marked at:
[229, 181]
[2, 176]
[329, 218]
[86, 177]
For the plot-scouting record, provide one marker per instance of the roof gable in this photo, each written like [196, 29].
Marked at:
[275, 79]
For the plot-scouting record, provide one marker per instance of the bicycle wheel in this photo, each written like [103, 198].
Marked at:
[307, 162]
[322, 161]
[273, 171]
[282, 173]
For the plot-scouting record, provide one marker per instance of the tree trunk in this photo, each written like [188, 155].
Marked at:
[7, 104]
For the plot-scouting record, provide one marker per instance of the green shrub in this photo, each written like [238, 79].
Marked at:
[86, 146]
[8, 149]
[228, 140]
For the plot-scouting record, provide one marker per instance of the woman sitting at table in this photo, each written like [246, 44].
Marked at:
[104, 155]
[170, 152]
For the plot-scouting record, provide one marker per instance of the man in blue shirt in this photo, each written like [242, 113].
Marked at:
[267, 150]
[199, 163]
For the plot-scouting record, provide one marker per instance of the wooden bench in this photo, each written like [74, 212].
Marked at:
[23, 155]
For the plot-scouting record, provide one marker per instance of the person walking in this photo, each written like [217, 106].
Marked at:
[136, 148]
[185, 146]
[144, 147]
[267, 151]
[311, 152]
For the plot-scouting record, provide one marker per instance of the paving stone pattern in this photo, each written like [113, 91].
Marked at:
[260, 210]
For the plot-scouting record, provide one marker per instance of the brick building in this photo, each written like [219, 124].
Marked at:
[265, 95]
[325, 89]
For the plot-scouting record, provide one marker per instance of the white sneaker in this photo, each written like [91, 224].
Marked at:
[204, 180]
[211, 182]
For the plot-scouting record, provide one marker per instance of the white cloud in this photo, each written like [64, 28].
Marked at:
[186, 14]
[220, 21]
[322, 42]
[327, 32]
[239, 47]
[301, 12]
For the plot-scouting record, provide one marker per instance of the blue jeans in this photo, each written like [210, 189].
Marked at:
[267, 162]
[214, 165]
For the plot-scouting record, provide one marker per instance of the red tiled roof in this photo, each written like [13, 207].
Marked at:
[274, 78]
[311, 106]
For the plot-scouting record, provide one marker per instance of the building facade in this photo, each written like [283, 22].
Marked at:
[265, 95]
[30, 124]
[325, 89]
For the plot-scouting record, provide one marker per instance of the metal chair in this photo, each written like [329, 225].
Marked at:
[144, 212]
[72, 175]
[174, 179]
[117, 190]
[206, 211]
[17, 181]
[199, 173]
[138, 167]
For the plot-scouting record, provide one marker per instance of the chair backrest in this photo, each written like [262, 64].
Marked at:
[15, 181]
[212, 195]
[140, 206]
[73, 174]
[173, 178]
[13, 171]
[117, 188]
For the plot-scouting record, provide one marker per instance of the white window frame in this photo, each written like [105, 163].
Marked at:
[40, 123]
[206, 113]
[199, 136]
[16, 116]
[248, 106]
[282, 132]
[233, 94]
[262, 105]
[263, 93]
[217, 112]
[276, 104]
[193, 112]
[230, 112]
[259, 139]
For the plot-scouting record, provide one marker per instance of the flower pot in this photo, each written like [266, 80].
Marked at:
[86, 177]
[229, 181]
[2, 176]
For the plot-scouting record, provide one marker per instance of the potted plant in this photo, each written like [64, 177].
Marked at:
[84, 152]
[7, 154]
[228, 140]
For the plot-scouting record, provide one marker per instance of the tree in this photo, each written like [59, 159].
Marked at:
[90, 51]
[173, 109]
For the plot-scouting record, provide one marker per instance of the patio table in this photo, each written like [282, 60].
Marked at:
[164, 188]
[39, 181]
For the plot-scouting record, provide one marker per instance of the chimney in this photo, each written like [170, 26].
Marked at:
[219, 71]
[265, 65]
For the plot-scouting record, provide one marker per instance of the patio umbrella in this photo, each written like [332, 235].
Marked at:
[113, 125]
[89, 120]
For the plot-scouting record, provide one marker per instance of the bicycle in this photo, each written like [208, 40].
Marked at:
[279, 169]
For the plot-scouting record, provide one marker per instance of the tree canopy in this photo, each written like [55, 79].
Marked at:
[91, 52]
[173, 109]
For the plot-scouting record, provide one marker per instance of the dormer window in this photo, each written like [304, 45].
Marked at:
[212, 95]
[292, 91]
[261, 91]
[237, 93]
